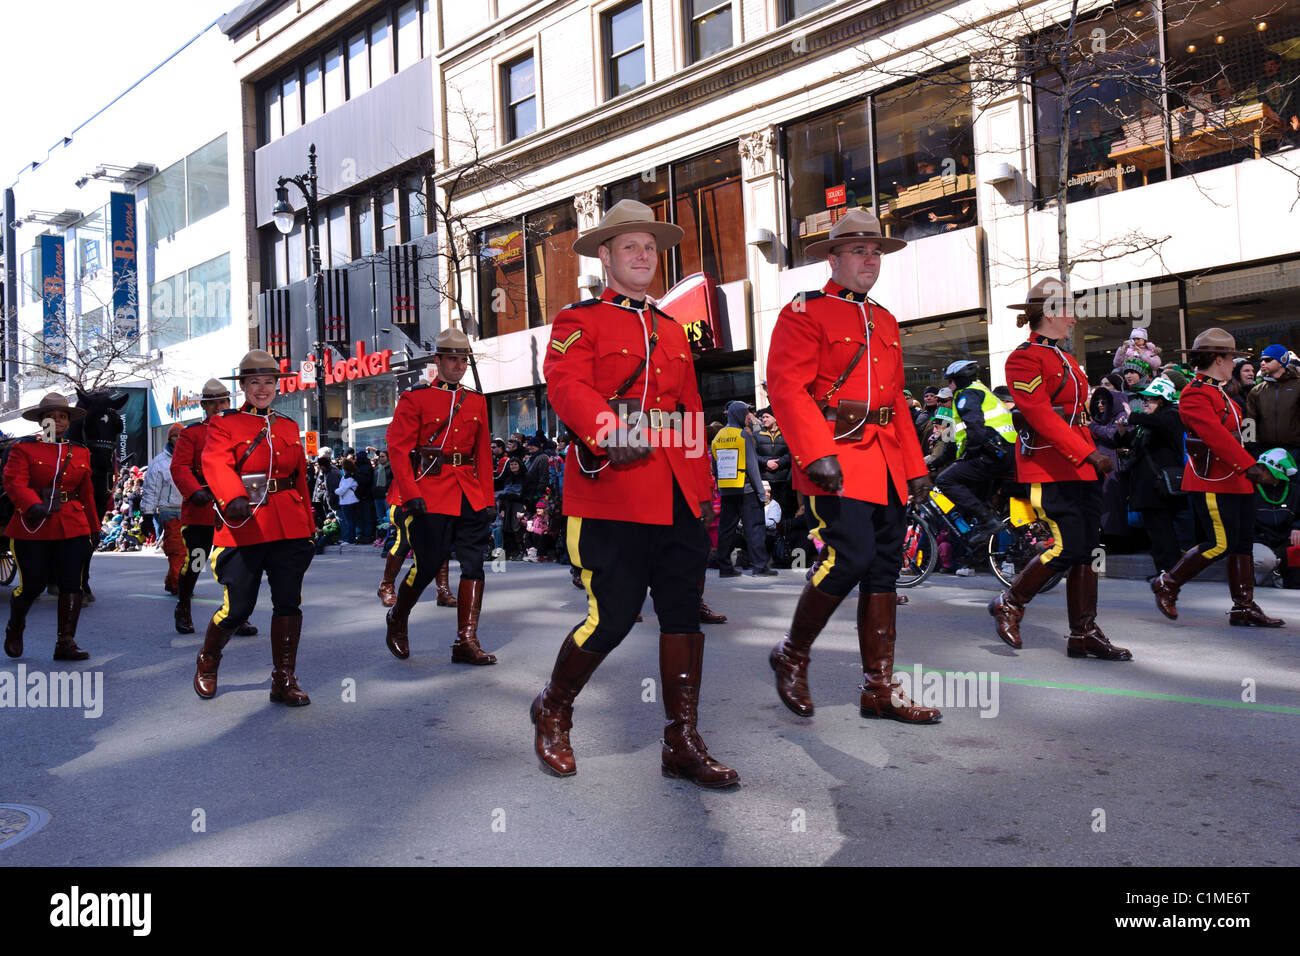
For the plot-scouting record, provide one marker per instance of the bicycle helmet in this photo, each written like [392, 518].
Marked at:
[963, 372]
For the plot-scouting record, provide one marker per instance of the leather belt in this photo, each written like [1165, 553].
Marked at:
[1080, 417]
[62, 497]
[279, 484]
[655, 418]
[873, 416]
[430, 457]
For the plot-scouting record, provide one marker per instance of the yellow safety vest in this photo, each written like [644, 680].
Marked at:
[729, 456]
[996, 415]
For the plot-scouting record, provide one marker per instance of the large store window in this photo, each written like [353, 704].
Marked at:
[190, 303]
[1256, 304]
[527, 270]
[931, 346]
[1106, 317]
[526, 411]
[188, 191]
[707, 204]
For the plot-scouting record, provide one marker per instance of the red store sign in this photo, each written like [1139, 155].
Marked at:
[361, 365]
[836, 196]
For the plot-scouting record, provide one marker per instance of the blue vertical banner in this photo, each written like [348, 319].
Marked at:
[126, 285]
[52, 299]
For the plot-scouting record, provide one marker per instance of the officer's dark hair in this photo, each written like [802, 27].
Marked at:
[1202, 360]
[1034, 317]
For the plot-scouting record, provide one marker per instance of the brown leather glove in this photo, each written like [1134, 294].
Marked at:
[826, 474]
[625, 447]
[237, 510]
[1261, 475]
[1099, 461]
[919, 488]
[38, 511]
[201, 497]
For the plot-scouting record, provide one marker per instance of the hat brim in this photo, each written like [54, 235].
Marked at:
[666, 236]
[824, 247]
[1213, 351]
[75, 414]
[255, 371]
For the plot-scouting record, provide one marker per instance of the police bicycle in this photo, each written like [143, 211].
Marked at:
[1021, 538]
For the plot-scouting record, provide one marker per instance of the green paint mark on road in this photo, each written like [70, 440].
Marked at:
[168, 597]
[1140, 694]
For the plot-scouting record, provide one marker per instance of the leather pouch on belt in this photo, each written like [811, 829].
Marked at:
[255, 485]
[430, 460]
[1199, 454]
[50, 498]
[1028, 440]
[849, 417]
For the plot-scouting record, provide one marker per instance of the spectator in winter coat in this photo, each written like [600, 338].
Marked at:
[161, 499]
[1277, 520]
[1137, 346]
[365, 491]
[774, 460]
[1109, 426]
[1274, 403]
[1157, 454]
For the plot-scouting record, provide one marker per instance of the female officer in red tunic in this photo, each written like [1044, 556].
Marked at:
[257, 472]
[1219, 478]
[198, 519]
[54, 522]
[1057, 459]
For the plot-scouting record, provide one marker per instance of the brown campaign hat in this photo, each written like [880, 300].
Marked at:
[257, 362]
[452, 342]
[54, 402]
[1214, 340]
[213, 390]
[1044, 291]
[855, 226]
[628, 215]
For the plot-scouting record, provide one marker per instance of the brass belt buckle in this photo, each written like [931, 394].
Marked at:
[456, 458]
[657, 419]
[886, 414]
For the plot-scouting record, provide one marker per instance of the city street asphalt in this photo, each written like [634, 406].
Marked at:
[1185, 756]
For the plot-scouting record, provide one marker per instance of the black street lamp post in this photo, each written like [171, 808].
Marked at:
[283, 214]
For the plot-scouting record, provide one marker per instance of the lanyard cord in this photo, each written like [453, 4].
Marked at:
[54, 490]
[255, 505]
[1232, 406]
[446, 430]
[645, 390]
[868, 324]
[1074, 380]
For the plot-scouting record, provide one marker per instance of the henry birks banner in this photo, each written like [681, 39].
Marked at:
[126, 311]
[52, 295]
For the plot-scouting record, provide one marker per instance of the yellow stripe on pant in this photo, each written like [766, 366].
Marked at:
[18, 591]
[1220, 532]
[828, 561]
[1036, 499]
[223, 612]
[415, 558]
[588, 627]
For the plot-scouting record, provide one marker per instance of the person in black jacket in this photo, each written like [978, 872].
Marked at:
[774, 462]
[538, 472]
[1157, 455]
[365, 476]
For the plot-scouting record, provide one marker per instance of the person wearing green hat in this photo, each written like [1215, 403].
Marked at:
[1157, 456]
[943, 441]
[1277, 518]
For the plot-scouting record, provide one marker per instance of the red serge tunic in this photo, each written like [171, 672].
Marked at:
[187, 474]
[285, 514]
[1041, 376]
[815, 338]
[420, 413]
[595, 345]
[32, 464]
[1209, 414]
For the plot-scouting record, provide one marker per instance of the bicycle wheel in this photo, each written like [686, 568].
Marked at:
[1011, 548]
[920, 552]
[8, 567]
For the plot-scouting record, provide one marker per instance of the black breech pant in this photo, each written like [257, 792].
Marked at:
[39, 562]
[198, 551]
[432, 537]
[239, 571]
[619, 560]
[864, 543]
[1228, 521]
[1159, 524]
[742, 508]
[1072, 511]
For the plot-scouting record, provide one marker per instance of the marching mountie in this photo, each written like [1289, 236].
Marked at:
[397, 557]
[836, 383]
[198, 518]
[1219, 478]
[256, 471]
[54, 527]
[440, 451]
[1057, 459]
[635, 494]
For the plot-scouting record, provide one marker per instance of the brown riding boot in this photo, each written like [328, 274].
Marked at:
[184, 623]
[881, 694]
[285, 632]
[789, 659]
[552, 711]
[1081, 606]
[681, 663]
[1167, 585]
[246, 630]
[1009, 606]
[466, 650]
[65, 648]
[387, 595]
[707, 615]
[205, 671]
[1241, 583]
[18, 608]
[396, 619]
[445, 598]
